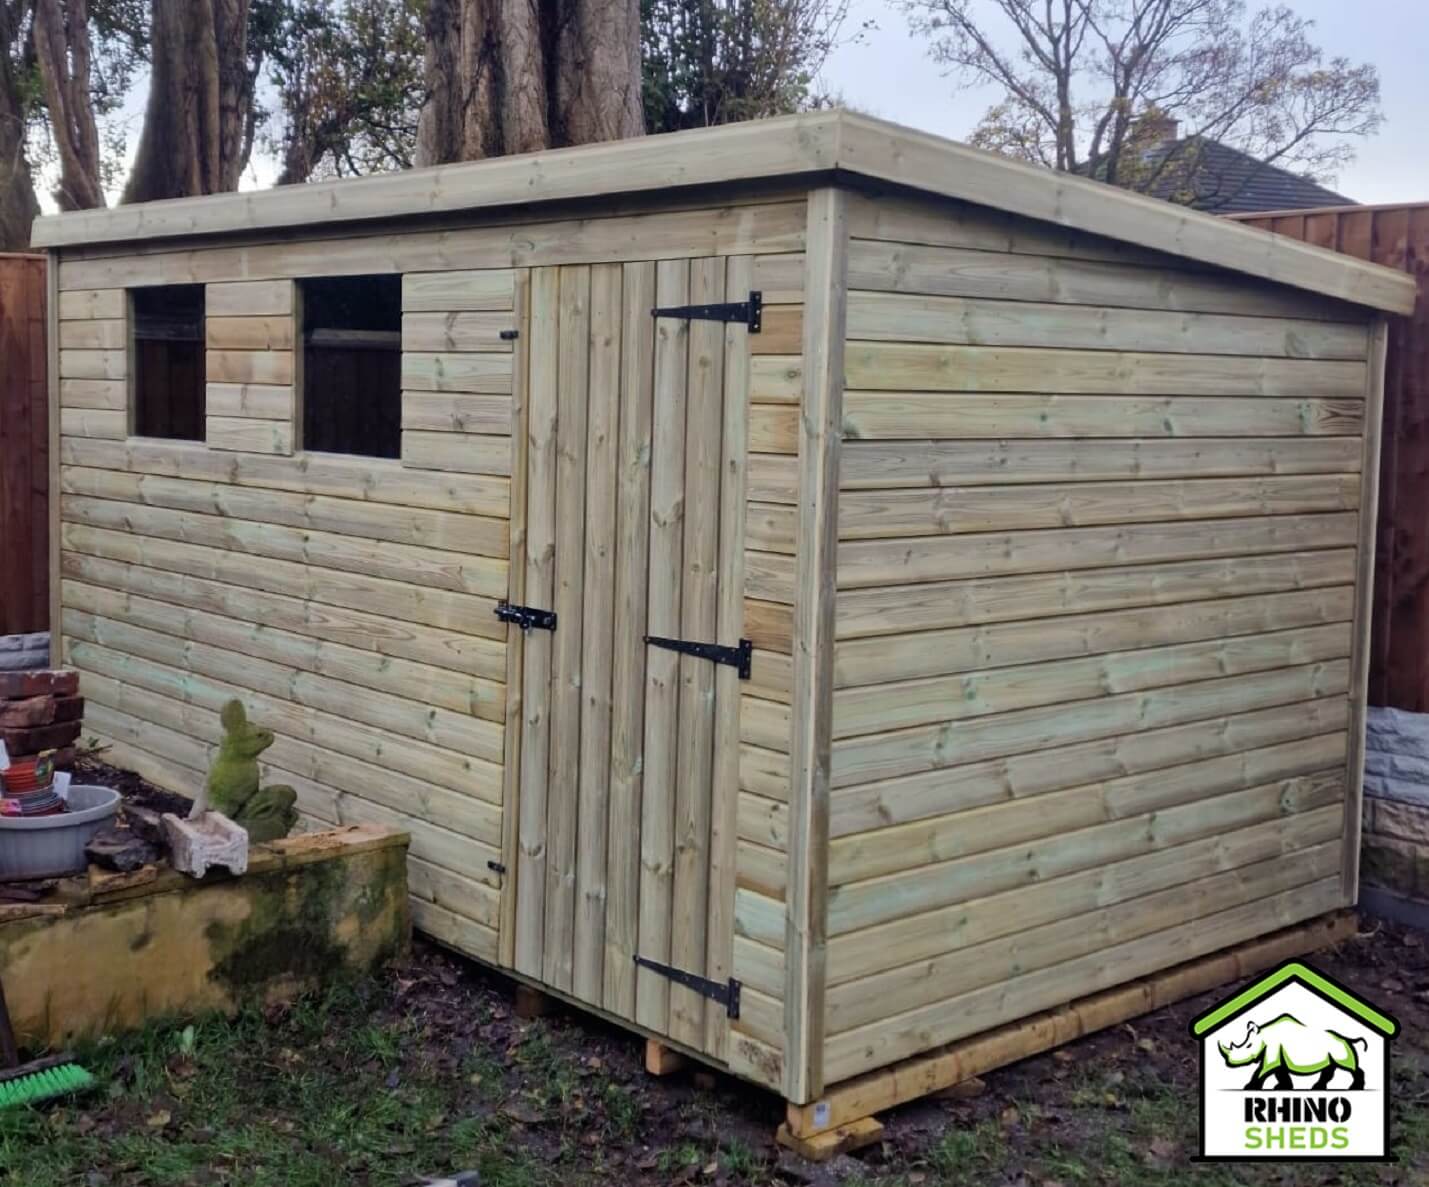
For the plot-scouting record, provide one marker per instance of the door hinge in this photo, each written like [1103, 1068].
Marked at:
[741, 657]
[526, 617]
[510, 335]
[750, 312]
[726, 993]
[496, 867]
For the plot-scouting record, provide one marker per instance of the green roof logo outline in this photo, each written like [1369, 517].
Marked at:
[1294, 970]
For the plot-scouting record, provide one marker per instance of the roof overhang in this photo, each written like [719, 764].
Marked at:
[787, 148]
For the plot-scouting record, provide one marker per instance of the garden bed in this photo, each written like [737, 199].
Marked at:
[101, 953]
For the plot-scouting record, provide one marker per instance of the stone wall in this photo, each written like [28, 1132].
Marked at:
[1394, 869]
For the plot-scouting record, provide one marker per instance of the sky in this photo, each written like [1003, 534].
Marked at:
[888, 74]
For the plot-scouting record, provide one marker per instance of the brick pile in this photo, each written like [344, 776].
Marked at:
[41, 710]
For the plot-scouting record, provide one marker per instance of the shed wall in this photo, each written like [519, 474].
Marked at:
[1099, 524]
[1397, 237]
[349, 601]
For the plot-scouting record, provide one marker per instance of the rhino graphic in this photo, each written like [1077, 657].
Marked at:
[1286, 1046]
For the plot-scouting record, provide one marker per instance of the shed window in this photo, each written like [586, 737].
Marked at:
[352, 365]
[168, 361]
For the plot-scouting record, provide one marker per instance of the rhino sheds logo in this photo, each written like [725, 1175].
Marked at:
[1294, 1067]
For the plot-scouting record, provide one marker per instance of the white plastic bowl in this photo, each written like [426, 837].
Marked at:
[48, 846]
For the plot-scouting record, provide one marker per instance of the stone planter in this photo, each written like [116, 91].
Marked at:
[1394, 858]
[115, 951]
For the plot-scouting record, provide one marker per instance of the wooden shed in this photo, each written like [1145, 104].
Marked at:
[814, 592]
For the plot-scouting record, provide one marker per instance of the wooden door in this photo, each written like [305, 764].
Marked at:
[635, 465]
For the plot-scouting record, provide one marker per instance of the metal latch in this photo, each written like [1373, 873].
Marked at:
[526, 617]
[750, 312]
[741, 657]
[726, 993]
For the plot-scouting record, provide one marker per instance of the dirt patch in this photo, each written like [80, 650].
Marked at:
[427, 1071]
[134, 788]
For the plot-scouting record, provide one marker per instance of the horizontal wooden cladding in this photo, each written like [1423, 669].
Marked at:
[368, 480]
[96, 424]
[91, 304]
[383, 636]
[878, 707]
[457, 372]
[109, 395]
[184, 736]
[423, 568]
[959, 834]
[962, 272]
[964, 321]
[883, 465]
[457, 453]
[903, 1035]
[252, 401]
[909, 559]
[442, 412]
[933, 747]
[249, 298]
[946, 222]
[248, 333]
[915, 366]
[390, 598]
[901, 989]
[966, 926]
[246, 435]
[882, 659]
[458, 291]
[458, 331]
[105, 334]
[94, 364]
[129, 687]
[925, 888]
[1009, 778]
[759, 917]
[924, 415]
[455, 750]
[249, 366]
[341, 665]
[776, 227]
[865, 514]
[479, 535]
[895, 609]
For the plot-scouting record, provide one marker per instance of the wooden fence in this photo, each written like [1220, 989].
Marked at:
[24, 447]
[1398, 237]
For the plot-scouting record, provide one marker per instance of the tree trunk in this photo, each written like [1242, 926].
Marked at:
[18, 206]
[598, 72]
[195, 124]
[516, 76]
[526, 37]
[62, 49]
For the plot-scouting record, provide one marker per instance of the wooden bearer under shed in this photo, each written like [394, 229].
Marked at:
[813, 592]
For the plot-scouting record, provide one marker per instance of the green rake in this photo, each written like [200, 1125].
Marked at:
[39, 1080]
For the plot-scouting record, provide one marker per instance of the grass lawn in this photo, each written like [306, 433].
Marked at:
[426, 1072]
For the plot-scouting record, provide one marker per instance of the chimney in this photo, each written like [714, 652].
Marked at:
[1160, 129]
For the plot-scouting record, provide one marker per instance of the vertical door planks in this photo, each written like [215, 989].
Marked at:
[700, 589]
[724, 778]
[667, 529]
[627, 740]
[515, 639]
[563, 795]
[635, 432]
[597, 645]
[540, 591]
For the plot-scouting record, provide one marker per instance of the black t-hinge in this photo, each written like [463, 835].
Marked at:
[750, 312]
[724, 992]
[741, 657]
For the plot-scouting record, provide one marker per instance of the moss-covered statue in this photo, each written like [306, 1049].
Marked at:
[267, 813]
